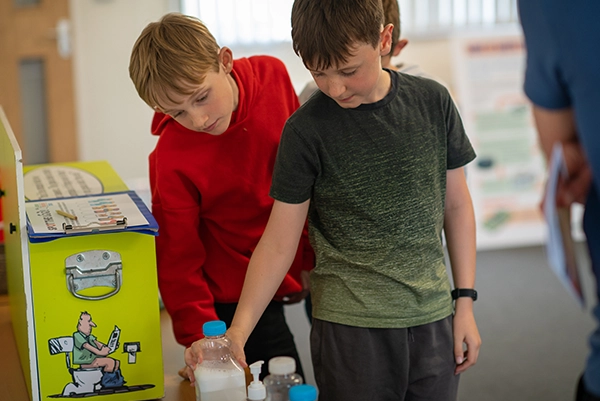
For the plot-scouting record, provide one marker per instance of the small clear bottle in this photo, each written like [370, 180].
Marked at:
[282, 376]
[219, 377]
[303, 392]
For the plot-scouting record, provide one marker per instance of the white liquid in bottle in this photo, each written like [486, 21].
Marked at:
[219, 385]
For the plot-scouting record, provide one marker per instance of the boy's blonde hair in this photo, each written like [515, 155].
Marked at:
[325, 31]
[172, 55]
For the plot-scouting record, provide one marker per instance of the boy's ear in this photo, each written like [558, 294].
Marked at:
[226, 59]
[385, 42]
[399, 46]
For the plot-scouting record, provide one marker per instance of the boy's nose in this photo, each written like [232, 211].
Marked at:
[336, 88]
[199, 119]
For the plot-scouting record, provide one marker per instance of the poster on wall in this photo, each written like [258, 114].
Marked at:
[508, 176]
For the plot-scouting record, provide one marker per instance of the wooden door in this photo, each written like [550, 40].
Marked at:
[29, 36]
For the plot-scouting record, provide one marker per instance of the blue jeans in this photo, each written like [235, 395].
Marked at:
[591, 226]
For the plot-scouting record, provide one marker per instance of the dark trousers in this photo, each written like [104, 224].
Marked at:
[411, 364]
[270, 338]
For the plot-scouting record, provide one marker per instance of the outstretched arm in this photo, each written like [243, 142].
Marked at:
[302, 271]
[268, 266]
[459, 229]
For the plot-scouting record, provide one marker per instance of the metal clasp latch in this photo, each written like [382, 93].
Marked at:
[94, 269]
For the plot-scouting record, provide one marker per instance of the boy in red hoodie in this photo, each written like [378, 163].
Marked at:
[219, 122]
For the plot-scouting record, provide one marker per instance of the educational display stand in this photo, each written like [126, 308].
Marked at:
[81, 279]
[506, 179]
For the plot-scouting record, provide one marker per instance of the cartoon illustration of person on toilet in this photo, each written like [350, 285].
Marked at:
[93, 371]
[90, 353]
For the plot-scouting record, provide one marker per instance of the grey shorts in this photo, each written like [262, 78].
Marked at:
[363, 364]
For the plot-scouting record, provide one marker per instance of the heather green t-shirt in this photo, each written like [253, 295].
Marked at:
[376, 178]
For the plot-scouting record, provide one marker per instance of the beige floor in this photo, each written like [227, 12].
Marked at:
[534, 334]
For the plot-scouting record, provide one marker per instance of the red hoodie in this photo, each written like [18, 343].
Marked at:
[210, 198]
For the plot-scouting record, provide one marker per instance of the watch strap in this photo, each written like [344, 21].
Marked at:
[464, 292]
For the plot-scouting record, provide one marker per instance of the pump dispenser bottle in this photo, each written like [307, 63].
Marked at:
[219, 377]
[256, 389]
[281, 378]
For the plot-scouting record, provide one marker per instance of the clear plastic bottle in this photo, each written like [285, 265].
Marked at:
[303, 392]
[219, 377]
[282, 376]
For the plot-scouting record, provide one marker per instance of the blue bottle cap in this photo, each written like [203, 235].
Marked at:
[303, 392]
[214, 328]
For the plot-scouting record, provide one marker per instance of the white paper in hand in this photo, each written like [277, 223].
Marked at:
[559, 245]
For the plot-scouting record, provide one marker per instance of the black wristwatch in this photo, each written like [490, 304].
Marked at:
[464, 292]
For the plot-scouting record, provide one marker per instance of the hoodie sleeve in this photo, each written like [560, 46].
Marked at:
[180, 254]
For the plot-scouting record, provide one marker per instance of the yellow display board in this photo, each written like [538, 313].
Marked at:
[85, 307]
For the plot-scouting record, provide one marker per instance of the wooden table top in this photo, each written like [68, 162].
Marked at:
[12, 382]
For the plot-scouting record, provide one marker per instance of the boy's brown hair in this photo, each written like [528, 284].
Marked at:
[391, 12]
[172, 55]
[325, 31]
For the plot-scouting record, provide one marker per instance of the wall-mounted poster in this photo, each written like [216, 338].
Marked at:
[507, 177]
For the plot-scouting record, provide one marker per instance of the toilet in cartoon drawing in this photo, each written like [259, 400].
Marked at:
[96, 369]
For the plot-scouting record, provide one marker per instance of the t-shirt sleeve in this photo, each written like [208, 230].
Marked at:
[544, 84]
[460, 152]
[294, 173]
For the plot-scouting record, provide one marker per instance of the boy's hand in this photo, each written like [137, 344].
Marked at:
[183, 373]
[295, 297]
[192, 357]
[465, 333]
[238, 339]
[193, 354]
[299, 296]
[187, 373]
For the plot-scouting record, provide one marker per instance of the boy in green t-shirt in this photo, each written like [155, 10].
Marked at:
[375, 159]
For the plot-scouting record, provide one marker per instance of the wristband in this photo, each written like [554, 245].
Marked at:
[464, 292]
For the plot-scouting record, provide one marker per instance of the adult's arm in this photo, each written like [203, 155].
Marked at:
[558, 126]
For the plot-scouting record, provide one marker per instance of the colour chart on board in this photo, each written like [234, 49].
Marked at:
[51, 216]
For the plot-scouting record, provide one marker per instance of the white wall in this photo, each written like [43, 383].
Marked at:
[299, 75]
[434, 57]
[113, 122]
